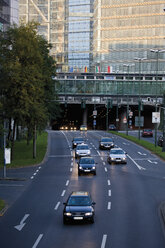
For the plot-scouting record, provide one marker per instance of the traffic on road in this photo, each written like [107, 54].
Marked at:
[116, 208]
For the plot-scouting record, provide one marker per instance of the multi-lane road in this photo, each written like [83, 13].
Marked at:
[127, 199]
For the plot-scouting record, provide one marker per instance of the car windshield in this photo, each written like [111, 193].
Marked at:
[116, 152]
[86, 161]
[78, 139]
[79, 201]
[147, 130]
[82, 148]
[106, 140]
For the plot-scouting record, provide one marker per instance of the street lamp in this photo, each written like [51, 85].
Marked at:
[139, 110]
[157, 51]
[128, 66]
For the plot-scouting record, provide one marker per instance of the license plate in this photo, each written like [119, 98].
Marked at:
[118, 160]
[87, 170]
[78, 218]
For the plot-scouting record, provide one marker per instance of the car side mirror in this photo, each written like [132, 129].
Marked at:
[64, 203]
[93, 203]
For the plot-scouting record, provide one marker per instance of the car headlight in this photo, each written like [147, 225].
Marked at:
[88, 214]
[80, 167]
[75, 144]
[88, 152]
[68, 214]
[93, 167]
[101, 144]
[124, 158]
[112, 158]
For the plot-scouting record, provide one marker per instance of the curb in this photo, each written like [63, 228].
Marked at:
[162, 216]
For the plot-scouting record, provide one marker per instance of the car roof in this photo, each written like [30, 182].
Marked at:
[117, 148]
[80, 193]
[106, 138]
[83, 144]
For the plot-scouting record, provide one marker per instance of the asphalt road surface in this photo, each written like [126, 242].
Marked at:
[127, 199]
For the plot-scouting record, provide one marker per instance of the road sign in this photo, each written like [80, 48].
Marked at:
[95, 112]
[124, 120]
[8, 155]
[117, 120]
[155, 117]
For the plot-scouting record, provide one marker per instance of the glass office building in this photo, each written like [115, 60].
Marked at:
[80, 29]
[129, 29]
[4, 14]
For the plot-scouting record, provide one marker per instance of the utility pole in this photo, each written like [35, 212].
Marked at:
[163, 148]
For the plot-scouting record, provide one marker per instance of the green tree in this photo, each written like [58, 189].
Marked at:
[26, 79]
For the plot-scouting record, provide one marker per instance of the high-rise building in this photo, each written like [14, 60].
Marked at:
[14, 13]
[129, 29]
[51, 15]
[67, 25]
[80, 32]
[4, 14]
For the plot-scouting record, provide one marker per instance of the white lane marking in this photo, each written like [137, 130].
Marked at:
[32, 177]
[138, 166]
[126, 144]
[34, 174]
[109, 206]
[109, 192]
[101, 158]
[152, 162]
[143, 154]
[70, 169]
[37, 170]
[37, 241]
[57, 205]
[109, 182]
[72, 164]
[71, 159]
[66, 138]
[105, 169]
[63, 192]
[103, 163]
[91, 143]
[67, 182]
[22, 223]
[104, 241]
[98, 153]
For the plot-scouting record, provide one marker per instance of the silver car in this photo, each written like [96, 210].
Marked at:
[117, 155]
[82, 150]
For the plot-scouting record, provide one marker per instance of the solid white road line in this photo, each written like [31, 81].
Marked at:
[67, 182]
[109, 182]
[37, 241]
[104, 241]
[63, 192]
[138, 166]
[57, 205]
[109, 206]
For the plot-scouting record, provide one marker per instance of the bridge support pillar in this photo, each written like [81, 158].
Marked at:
[85, 114]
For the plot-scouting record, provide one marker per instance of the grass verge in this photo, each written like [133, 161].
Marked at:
[2, 205]
[23, 153]
[151, 147]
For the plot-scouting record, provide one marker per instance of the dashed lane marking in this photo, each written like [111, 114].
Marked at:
[37, 241]
[57, 205]
[104, 241]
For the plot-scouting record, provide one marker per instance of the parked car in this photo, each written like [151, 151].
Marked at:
[106, 143]
[76, 141]
[83, 128]
[112, 127]
[82, 150]
[79, 207]
[117, 155]
[160, 140]
[86, 165]
[147, 133]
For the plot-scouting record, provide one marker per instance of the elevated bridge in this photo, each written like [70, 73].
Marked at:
[112, 95]
[98, 87]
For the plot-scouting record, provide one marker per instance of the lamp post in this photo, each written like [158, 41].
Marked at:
[157, 51]
[139, 105]
[128, 66]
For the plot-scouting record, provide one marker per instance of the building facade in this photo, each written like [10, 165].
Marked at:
[128, 29]
[4, 14]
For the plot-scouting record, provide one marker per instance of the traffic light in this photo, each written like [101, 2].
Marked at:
[110, 103]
